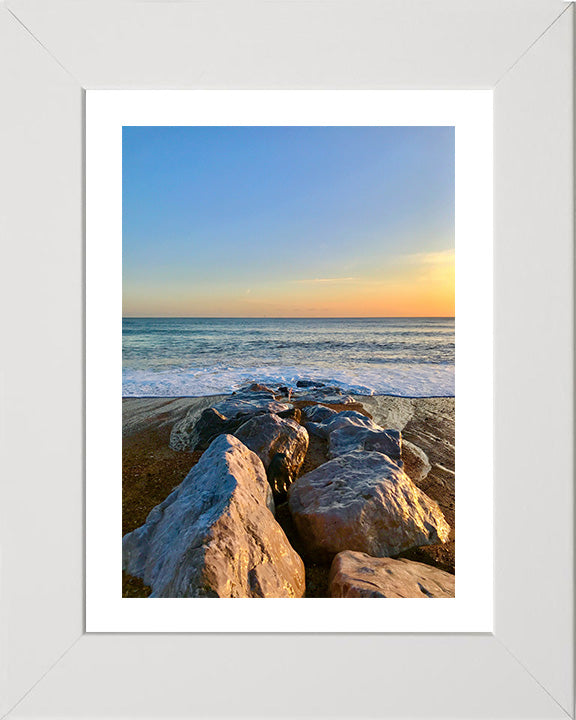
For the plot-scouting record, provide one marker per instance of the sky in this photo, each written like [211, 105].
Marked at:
[288, 221]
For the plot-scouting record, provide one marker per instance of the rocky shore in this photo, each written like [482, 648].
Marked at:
[288, 492]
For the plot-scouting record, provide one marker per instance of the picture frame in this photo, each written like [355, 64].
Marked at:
[56, 49]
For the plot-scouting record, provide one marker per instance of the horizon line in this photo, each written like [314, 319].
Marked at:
[288, 317]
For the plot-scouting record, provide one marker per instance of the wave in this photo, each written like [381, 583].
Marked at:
[405, 380]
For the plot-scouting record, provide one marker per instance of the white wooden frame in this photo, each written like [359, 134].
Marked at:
[54, 49]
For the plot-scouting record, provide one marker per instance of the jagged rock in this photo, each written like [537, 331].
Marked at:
[318, 413]
[352, 437]
[357, 575]
[416, 463]
[310, 384]
[363, 501]
[268, 435]
[215, 535]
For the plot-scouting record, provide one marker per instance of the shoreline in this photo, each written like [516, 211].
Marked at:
[226, 394]
[151, 469]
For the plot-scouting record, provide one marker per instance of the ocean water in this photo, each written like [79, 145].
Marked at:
[172, 357]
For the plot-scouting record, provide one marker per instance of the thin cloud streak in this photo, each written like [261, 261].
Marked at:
[309, 281]
[441, 257]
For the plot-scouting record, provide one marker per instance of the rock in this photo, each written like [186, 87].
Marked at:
[183, 436]
[357, 575]
[197, 433]
[324, 389]
[346, 418]
[269, 434]
[322, 395]
[309, 384]
[416, 463]
[350, 418]
[363, 501]
[234, 406]
[317, 416]
[326, 394]
[252, 396]
[292, 414]
[214, 535]
[429, 424]
[258, 387]
[314, 429]
[318, 413]
[351, 437]
[328, 399]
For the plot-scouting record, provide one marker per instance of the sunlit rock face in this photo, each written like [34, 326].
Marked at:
[215, 534]
[268, 436]
[363, 501]
[357, 575]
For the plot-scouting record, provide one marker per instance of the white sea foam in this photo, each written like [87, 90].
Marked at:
[405, 379]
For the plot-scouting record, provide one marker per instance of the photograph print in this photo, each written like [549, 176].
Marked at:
[288, 358]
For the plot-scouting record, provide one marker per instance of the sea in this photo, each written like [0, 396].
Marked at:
[191, 357]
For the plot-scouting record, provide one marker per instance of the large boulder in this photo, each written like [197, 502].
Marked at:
[197, 430]
[317, 413]
[352, 437]
[416, 463]
[363, 501]
[357, 575]
[268, 436]
[215, 534]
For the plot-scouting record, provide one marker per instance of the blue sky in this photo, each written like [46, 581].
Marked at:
[288, 221]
